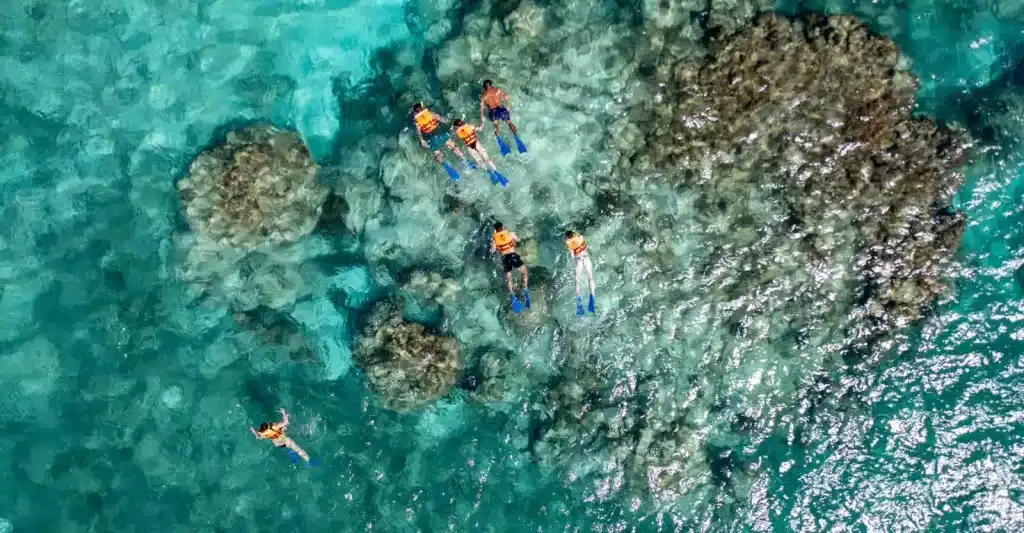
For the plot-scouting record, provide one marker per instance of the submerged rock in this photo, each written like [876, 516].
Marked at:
[792, 155]
[407, 367]
[760, 203]
[258, 188]
[432, 286]
[821, 111]
[248, 202]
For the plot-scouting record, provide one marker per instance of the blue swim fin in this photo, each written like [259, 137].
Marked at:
[452, 173]
[590, 305]
[470, 164]
[520, 145]
[498, 179]
[505, 150]
[516, 306]
[579, 306]
[526, 298]
[294, 457]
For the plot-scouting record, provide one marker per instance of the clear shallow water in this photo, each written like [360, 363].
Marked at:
[127, 398]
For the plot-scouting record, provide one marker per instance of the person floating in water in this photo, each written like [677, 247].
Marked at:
[494, 104]
[428, 127]
[581, 257]
[274, 431]
[467, 133]
[504, 242]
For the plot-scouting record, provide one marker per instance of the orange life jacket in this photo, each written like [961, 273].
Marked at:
[426, 121]
[467, 133]
[492, 97]
[577, 245]
[503, 241]
[271, 433]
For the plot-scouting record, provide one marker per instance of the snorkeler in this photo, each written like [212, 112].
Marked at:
[494, 104]
[504, 241]
[274, 431]
[428, 127]
[467, 133]
[581, 257]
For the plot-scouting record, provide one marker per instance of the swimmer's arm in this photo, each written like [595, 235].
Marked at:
[254, 433]
[284, 419]
[515, 239]
[504, 96]
[420, 135]
[493, 248]
[483, 112]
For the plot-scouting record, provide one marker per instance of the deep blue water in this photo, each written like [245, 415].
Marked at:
[127, 393]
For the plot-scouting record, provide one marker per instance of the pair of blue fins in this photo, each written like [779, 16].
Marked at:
[496, 177]
[591, 306]
[296, 459]
[517, 306]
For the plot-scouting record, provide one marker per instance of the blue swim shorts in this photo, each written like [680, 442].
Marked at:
[500, 113]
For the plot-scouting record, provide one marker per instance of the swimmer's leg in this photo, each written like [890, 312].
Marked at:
[451, 146]
[589, 266]
[485, 157]
[475, 154]
[576, 270]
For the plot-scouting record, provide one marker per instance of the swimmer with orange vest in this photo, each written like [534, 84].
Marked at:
[505, 242]
[494, 103]
[428, 127]
[580, 254]
[467, 133]
[274, 432]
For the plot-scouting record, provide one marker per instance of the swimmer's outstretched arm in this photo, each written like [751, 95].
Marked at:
[284, 419]
[255, 433]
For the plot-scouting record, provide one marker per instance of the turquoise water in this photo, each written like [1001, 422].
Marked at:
[129, 386]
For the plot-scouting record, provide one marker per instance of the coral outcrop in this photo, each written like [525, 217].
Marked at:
[248, 202]
[821, 111]
[407, 366]
[258, 188]
[432, 286]
[792, 154]
[762, 207]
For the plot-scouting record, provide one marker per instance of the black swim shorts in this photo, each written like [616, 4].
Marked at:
[511, 261]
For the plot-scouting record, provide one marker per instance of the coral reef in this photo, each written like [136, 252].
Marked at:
[820, 110]
[432, 286]
[406, 366]
[762, 207]
[259, 188]
[249, 201]
[823, 205]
